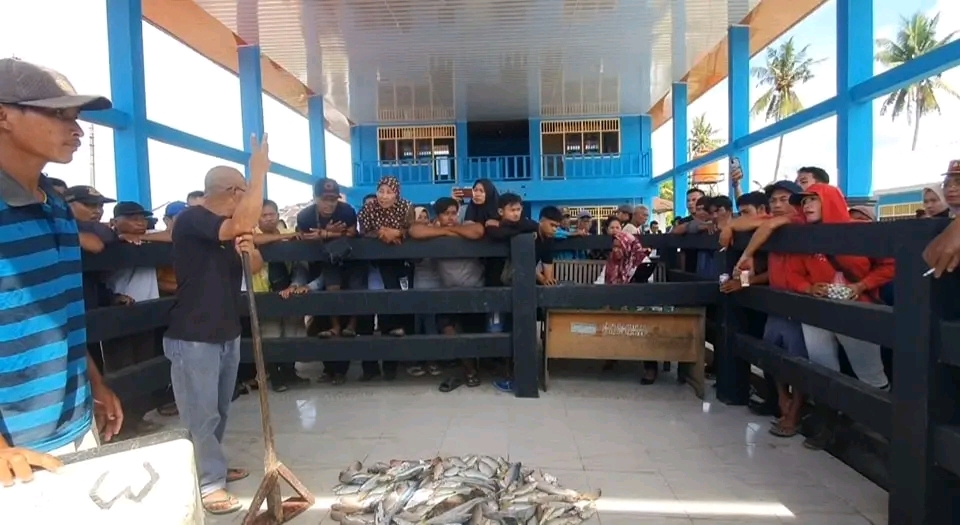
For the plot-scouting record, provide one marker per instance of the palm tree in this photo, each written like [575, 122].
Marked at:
[786, 69]
[916, 36]
[703, 138]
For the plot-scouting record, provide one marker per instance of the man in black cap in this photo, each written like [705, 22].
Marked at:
[86, 203]
[40, 419]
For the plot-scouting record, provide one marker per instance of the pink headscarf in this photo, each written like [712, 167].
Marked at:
[626, 255]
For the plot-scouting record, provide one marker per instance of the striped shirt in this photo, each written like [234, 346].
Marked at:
[45, 399]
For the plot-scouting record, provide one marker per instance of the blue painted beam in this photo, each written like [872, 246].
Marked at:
[182, 139]
[681, 179]
[796, 121]
[128, 92]
[251, 95]
[318, 137]
[738, 94]
[924, 66]
[111, 118]
[854, 119]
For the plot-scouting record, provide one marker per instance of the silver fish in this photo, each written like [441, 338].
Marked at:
[465, 490]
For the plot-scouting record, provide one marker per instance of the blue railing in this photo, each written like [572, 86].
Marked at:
[448, 170]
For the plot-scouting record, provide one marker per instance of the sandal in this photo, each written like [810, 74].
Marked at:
[347, 332]
[450, 384]
[473, 380]
[169, 410]
[326, 334]
[434, 369]
[223, 505]
[236, 474]
[783, 431]
[415, 370]
[397, 332]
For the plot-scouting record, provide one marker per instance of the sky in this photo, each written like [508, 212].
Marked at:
[209, 104]
[894, 164]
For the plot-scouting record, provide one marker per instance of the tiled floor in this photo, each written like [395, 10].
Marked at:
[659, 454]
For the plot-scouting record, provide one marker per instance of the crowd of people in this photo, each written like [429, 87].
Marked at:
[54, 400]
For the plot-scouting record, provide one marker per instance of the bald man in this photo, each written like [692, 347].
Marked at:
[203, 339]
[638, 220]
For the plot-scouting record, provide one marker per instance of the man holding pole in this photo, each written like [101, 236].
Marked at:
[202, 341]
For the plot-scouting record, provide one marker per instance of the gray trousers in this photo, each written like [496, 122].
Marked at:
[203, 377]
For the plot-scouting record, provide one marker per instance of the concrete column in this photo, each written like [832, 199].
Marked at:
[854, 120]
[738, 94]
[127, 86]
[681, 181]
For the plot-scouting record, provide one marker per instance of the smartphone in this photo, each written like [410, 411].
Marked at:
[466, 193]
[734, 163]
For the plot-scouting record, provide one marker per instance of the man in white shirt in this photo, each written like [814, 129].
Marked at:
[638, 221]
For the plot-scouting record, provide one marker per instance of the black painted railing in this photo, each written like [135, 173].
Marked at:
[917, 418]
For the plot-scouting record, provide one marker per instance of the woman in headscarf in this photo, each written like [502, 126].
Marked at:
[387, 218]
[934, 203]
[483, 204]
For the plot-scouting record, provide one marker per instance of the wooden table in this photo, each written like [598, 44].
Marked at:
[665, 334]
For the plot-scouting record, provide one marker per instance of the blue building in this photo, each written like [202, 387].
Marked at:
[556, 101]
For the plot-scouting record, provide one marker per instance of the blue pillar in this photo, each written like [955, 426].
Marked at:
[251, 95]
[680, 180]
[854, 121]
[738, 93]
[318, 137]
[127, 86]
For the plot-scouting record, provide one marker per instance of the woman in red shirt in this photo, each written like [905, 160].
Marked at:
[839, 277]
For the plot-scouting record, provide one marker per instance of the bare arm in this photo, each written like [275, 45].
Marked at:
[247, 214]
[425, 231]
[256, 261]
[763, 233]
[89, 242]
[267, 238]
[471, 231]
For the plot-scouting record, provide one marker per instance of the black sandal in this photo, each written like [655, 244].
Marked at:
[450, 384]
[473, 380]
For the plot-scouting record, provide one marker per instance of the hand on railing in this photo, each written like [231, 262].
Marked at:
[390, 235]
[943, 252]
[294, 290]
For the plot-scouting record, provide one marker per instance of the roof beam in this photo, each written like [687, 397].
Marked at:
[189, 23]
[768, 21]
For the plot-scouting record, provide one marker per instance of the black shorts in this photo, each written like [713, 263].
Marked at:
[348, 276]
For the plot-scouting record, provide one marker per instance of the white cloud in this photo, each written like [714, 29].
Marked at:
[893, 165]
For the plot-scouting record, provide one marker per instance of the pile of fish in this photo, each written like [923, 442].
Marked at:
[469, 490]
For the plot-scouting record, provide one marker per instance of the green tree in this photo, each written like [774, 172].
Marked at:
[665, 191]
[786, 68]
[917, 35]
[703, 137]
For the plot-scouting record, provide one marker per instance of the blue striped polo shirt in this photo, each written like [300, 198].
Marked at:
[45, 400]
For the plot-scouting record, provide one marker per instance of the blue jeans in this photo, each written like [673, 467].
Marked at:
[203, 377]
[786, 334]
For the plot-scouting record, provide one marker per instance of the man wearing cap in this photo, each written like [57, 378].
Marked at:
[41, 419]
[86, 202]
[624, 213]
[325, 220]
[170, 213]
[863, 214]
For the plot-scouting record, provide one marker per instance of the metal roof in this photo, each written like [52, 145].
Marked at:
[430, 60]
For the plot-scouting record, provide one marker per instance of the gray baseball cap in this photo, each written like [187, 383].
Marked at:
[26, 84]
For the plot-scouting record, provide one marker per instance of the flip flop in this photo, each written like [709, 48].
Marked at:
[346, 332]
[473, 380]
[236, 474]
[784, 432]
[221, 506]
[450, 384]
